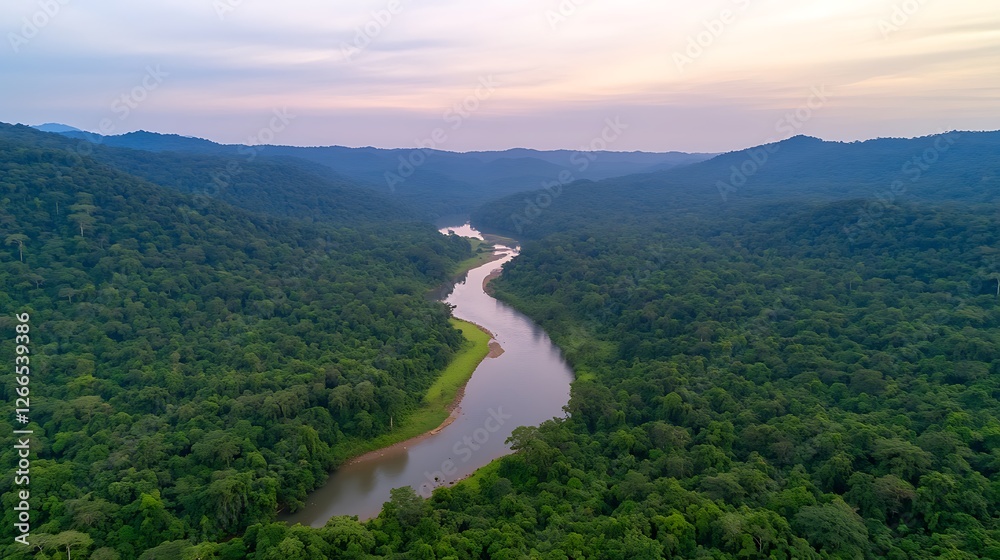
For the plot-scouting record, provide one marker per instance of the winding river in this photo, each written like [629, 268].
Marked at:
[526, 385]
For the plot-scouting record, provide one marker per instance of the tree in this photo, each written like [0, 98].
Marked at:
[229, 496]
[676, 533]
[67, 293]
[65, 540]
[406, 506]
[347, 534]
[89, 512]
[105, 553]
[833, 527]
[82, 212]
[852, 278]
[18, 239]
[38, 279]
[289, 549]
[170, 550]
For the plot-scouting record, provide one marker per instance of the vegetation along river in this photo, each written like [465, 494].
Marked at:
[525, 385]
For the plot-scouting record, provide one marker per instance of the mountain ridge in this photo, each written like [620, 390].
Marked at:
[960, 165]
[432, 182]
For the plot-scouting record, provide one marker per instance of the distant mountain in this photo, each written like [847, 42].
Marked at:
[56, 127]
[600, 164]
[956, 166]
[431, 182]
[267, 185]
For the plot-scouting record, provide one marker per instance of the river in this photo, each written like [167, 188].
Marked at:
[525, 386]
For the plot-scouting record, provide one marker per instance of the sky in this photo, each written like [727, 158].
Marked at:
[494, 74]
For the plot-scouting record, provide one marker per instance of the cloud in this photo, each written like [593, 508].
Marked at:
[557, 60]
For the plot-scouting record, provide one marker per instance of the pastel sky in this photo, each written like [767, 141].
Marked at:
[691, 76]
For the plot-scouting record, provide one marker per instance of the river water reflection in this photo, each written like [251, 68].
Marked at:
[526, 385]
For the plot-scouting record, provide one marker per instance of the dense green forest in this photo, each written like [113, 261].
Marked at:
[752, 388]
[805, 367]
[247, 178]
[776, 390]
[196, 367]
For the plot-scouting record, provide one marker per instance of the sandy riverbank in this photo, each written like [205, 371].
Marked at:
[489, 278]
[454, 409]
[477, 262]
[495, 350]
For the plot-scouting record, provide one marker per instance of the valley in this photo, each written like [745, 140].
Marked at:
[525, 385]
[517, 280]
[789, 371]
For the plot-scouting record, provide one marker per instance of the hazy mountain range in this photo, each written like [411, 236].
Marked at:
[432, 182]
[955, 166]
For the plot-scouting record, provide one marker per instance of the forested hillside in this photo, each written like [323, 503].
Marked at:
[247, 179]
[196, 367]
[429, 181]
[957, 166]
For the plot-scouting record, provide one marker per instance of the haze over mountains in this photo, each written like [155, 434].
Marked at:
[266, 185]
[432, 182]
[346, 185]
[955, 166]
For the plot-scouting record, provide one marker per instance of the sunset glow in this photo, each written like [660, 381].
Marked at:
[684, 76]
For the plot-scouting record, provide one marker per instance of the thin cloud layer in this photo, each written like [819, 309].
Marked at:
[705, 77]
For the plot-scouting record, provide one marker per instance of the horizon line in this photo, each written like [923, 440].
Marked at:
[501, 150]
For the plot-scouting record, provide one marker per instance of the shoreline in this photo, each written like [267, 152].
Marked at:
[452, 382]
[500, 240]
[495, 350]
[489, 278]
[475, 263]
[454, 408]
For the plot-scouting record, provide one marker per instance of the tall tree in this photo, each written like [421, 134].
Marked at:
[18, 239]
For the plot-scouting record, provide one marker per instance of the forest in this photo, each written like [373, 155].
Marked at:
[769, 390]
[430, 182]
[246, 178]
[198, 368]
[804, 369]
[753, 382]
